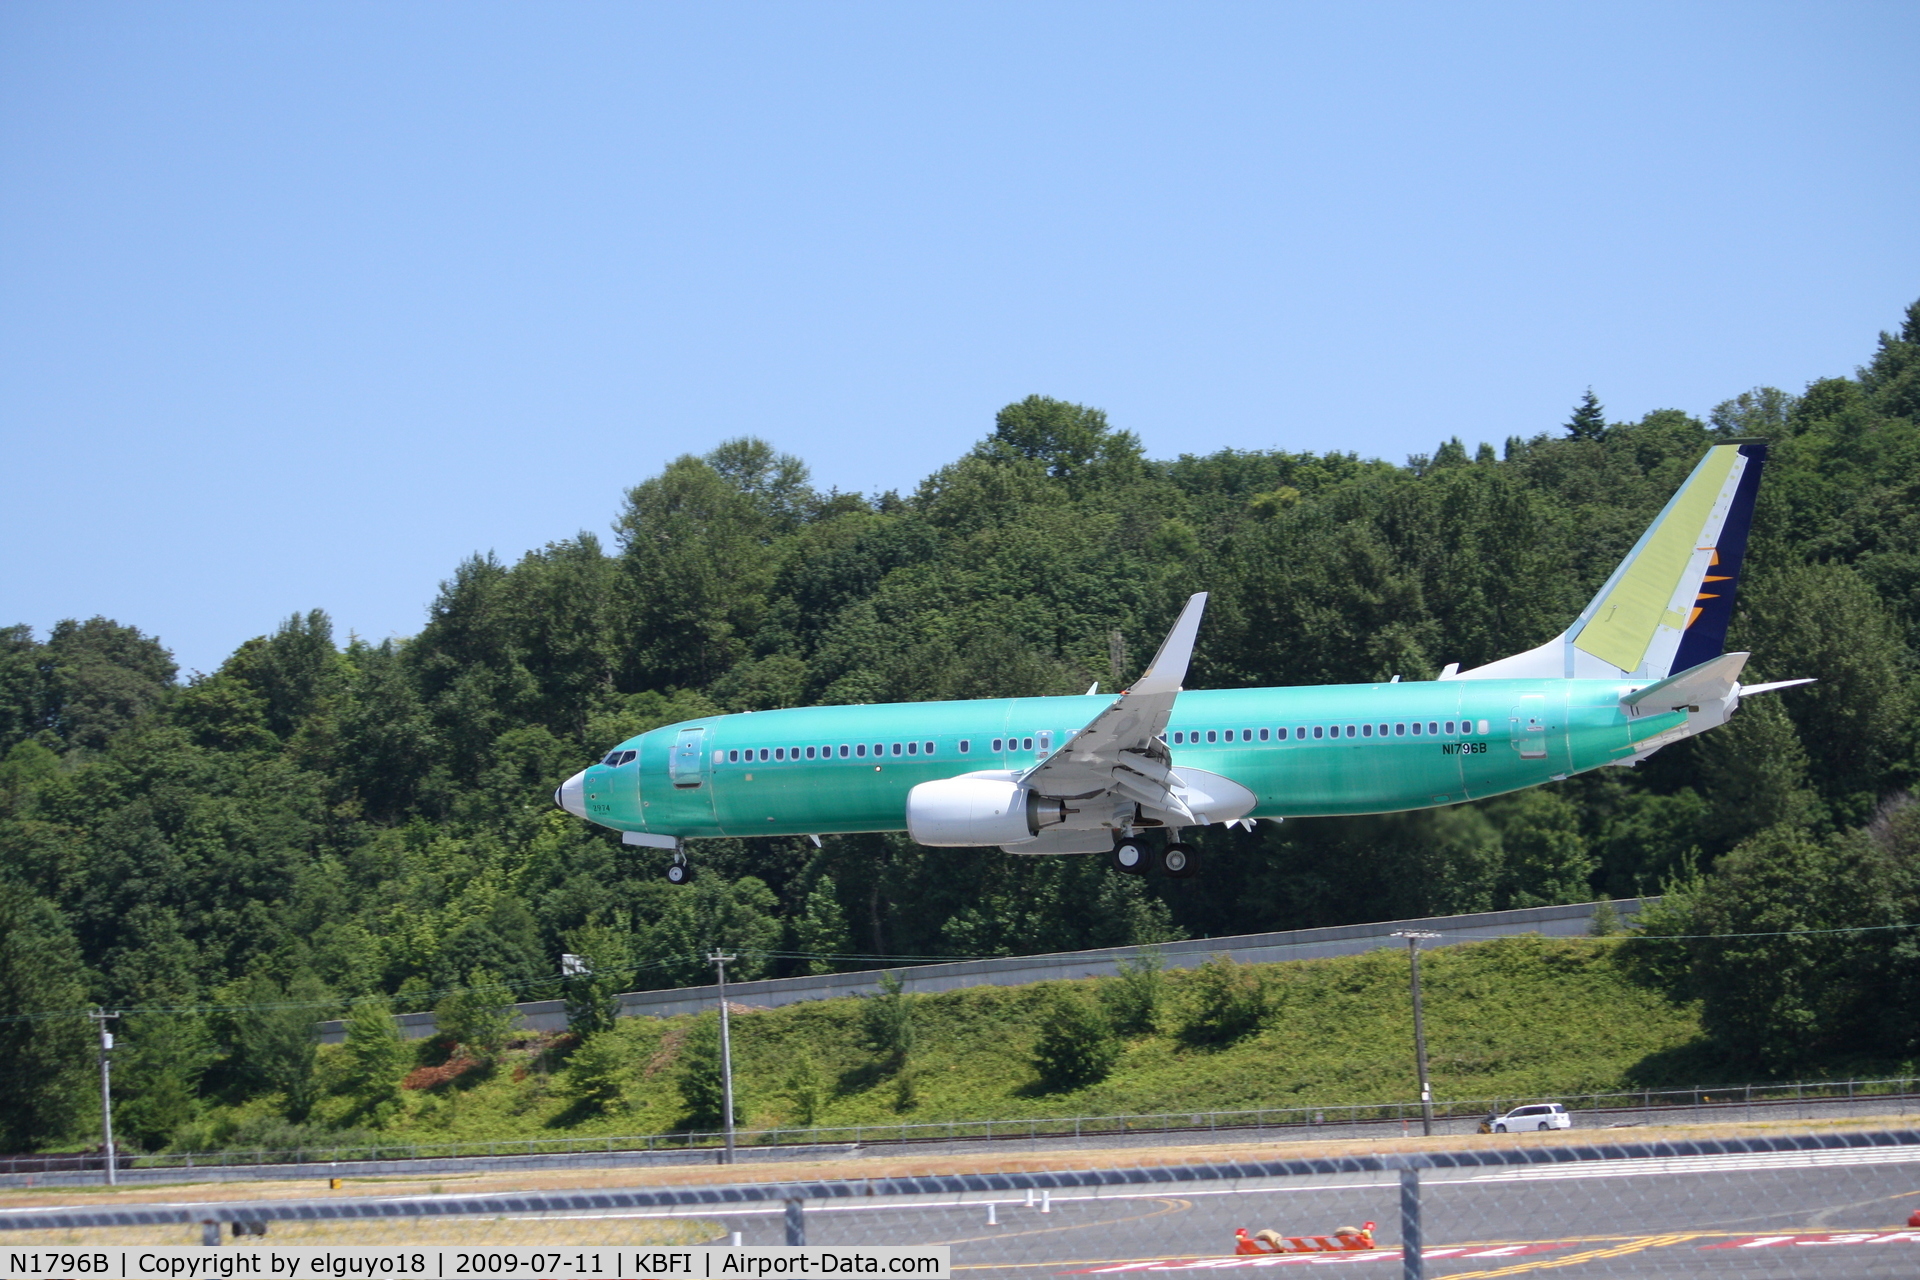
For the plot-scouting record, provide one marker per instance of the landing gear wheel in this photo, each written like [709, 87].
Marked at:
[679, 871]
[1130, 856]
[1180, 861]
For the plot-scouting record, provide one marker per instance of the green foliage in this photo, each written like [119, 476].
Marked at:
[159, 1060]
[1589, 421]
[478, 1017]
[593, 994]
[266, 1028]
[701, 1084]
[599, 1073]
[376, 1058]
[1226, 1001]
[886, 1023]
[45, 1041]
[1136, 997]
[1077, 1045]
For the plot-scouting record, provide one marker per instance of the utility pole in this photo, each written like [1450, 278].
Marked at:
[100, 1018]
[1413, 937]
[726, 1053]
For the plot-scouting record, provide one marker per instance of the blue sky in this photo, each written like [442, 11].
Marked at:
[300, 304]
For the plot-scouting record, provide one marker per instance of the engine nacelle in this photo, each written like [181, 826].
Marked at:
[963, 812]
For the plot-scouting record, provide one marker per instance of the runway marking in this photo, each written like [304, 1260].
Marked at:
[1823, 1238]
[1168, 1206]
[1697, 1164]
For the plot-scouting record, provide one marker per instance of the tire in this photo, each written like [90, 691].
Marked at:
[1129, 857]
[1179, 861]
[679, 872]
[1499, 1128]
[1544, 1126]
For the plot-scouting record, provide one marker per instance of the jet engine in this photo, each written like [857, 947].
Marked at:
[963, 812]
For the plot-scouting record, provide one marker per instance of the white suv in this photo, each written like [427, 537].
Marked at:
[1544, 1115]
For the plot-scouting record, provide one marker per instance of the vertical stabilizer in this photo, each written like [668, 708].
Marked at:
[1667, 606]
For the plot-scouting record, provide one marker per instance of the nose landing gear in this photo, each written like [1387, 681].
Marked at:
[679, 871]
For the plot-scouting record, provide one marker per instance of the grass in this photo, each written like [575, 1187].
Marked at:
[1516, 1017]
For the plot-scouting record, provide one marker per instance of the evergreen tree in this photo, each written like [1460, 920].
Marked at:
[1589, 421]
[46, 1041]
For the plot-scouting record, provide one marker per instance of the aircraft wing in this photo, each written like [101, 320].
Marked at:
[1123, 749]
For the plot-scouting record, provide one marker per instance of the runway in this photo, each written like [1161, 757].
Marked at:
[1829, 1213]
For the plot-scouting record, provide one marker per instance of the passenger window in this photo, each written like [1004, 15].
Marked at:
[1263, 735]
[1433, 727]
[1046, 741]
[1366, 731]
[1179, 738]
[1246, 735]
[843, 751]
[1026, 744]
[809, 753]
[1416, 728]
[1281, 733]
[913, 749]
[860, 749]
[733, 757]
[1213, 736]
[1318, 731]
[926, 748]
[1400, 730]
[1229, 735]
[896, 748]
[997, 745]
[779, 753]
[1483, 726]
[965, 746]
[879, 748]
[1449, 726]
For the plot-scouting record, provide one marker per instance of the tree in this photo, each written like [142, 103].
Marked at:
[1226, 1002]
[479, 1017]
[699, 1079]
[1073, 442]
[376, 1057]
[1134, 998]
[592, 992]
[45, 1039]
[886, 1024]
[1077, 1046]
[1589, 421]
[99, 677]
[271, 1040]
[159, 1059]
[598, 1074]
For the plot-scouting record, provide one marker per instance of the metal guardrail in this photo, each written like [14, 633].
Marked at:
[1716, 1100]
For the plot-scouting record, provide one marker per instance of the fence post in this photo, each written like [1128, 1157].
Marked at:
[796, 1222]
[1411, 1266]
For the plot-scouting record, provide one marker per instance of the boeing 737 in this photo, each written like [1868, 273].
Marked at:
[1639, 669]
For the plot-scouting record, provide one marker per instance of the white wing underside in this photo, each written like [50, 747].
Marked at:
[1118, 768]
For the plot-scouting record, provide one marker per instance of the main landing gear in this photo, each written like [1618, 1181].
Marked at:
[1177, 860]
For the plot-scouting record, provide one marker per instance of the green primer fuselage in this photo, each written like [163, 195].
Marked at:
[1505, 735]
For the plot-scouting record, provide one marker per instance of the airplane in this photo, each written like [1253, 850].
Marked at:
[1639, 669]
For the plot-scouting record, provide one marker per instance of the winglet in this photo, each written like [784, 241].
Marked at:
[1169, 666]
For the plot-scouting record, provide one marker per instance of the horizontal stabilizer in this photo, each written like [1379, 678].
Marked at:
[1711, 681]
[1748, 690]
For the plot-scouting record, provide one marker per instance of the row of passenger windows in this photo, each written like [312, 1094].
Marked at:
[848, 751]
[862, 751]
[1398, 729]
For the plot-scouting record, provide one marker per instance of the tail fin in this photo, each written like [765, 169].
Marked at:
[1666, 608]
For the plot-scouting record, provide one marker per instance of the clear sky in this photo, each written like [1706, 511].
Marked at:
[302, 303]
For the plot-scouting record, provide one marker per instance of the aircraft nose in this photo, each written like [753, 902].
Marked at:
[569, 794]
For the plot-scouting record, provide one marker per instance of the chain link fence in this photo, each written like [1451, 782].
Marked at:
[1820, 1204]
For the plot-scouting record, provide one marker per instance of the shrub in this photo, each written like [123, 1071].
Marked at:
[1077, 1046]
[886, 1023]
[1134, 999]
[1226, 1002]
[479, 1016]
[598, 1073]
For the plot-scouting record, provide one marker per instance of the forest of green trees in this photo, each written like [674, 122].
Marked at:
[231, 855]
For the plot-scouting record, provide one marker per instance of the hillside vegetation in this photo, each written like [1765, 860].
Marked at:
[1513, 1017]
[232, 856]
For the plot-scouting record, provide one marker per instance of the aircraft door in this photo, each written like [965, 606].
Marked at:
[1528, 726]
[687, 766]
